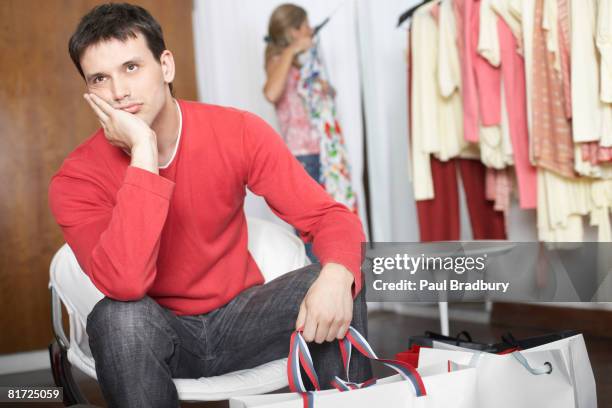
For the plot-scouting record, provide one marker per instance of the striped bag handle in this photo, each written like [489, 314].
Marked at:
[300, 355]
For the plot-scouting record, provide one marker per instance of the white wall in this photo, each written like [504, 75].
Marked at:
[384, 69]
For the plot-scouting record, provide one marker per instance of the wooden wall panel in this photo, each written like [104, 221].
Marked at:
[42, 118]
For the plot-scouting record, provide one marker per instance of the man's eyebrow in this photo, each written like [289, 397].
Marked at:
[134, 60]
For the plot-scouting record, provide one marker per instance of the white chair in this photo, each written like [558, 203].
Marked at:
[275, 250]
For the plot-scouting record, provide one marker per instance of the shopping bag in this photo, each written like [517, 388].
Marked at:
[530, 342]
[463, 339]
[436, 386]
[531, 378]
[454, 389]
[508, 341]
[575, 356]
[410, 356]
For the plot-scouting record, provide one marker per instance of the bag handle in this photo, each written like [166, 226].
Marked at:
[299, 355]
[456, 339]
[354, 339]
[545, 369]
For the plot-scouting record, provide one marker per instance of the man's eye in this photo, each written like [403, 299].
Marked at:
[132, 67]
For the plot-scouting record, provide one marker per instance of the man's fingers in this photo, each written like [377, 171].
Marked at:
[342, 331]
[104, 129]
[102, 104]
[103, 117]
[322, 332]
[348, 317]
[310, 328]
[301, 319]
[333, 331]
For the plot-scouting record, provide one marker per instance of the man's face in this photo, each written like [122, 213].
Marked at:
[128, 76]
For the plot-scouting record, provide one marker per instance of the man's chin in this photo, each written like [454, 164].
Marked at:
[145, 118]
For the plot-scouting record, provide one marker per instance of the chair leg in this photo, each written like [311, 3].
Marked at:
[62, 375]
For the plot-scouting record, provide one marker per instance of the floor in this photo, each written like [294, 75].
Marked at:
[381, 325]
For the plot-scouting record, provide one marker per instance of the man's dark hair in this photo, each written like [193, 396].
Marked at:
[118, 21]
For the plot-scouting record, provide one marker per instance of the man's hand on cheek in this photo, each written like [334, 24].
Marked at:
[327, 309]
[121, 128]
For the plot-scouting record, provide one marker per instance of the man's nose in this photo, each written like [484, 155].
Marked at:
[120, 89]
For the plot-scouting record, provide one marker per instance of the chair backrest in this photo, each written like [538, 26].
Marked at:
[275, 250]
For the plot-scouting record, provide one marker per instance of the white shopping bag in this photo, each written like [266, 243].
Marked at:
[538, 379]
[576, 358]
[439, 386]
[446, 389]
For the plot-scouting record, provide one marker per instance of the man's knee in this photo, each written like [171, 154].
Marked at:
[300, 280]
[112, 319]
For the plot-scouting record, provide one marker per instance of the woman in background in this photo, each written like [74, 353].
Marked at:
[289, 35]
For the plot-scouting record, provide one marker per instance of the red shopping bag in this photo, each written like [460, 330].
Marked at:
[410, 356]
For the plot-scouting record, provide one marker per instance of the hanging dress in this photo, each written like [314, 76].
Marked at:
[321, 109]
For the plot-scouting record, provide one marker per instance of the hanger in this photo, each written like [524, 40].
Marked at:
[408, 13]
[320, 26]
[326, 20]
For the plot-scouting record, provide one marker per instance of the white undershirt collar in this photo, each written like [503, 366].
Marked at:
[178, 138]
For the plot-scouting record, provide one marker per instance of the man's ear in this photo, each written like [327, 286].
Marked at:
[166, 60]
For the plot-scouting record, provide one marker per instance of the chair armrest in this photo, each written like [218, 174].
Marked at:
[56, 319]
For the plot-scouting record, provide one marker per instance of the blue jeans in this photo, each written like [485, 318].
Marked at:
[312, 165]
[139, 346]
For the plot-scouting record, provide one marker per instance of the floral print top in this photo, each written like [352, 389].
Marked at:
[294, 121]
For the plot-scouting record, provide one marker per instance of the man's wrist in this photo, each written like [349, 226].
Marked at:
[338, 271]
[145, 138]
[145, 155]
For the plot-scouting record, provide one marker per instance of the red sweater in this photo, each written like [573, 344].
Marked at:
[181, 236]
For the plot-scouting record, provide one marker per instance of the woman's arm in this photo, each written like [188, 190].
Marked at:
[278, 69]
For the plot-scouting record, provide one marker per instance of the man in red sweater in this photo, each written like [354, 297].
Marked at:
[152, 206]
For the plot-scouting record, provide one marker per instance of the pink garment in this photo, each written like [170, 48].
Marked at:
[513, 71]
[462, 9]
[498, 187]
[481, 82]
[299, 135]
[595, 154]
[488, 77]
[551, 138]
[564, 49]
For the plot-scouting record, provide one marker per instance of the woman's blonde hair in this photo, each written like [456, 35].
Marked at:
[283, 18]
